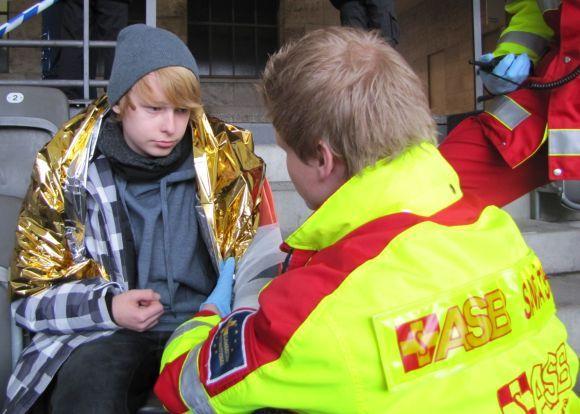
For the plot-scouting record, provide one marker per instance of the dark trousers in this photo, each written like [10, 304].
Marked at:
[372, 14]
[106, 19]
[50, 31]
[113, 375]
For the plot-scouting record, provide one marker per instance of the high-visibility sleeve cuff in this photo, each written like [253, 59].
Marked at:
[167, 386]
[204, 312]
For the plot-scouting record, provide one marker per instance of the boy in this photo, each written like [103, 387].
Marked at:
[400, 295]
[120, 236]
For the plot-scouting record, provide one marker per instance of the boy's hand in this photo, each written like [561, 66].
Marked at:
[221, 297]
[137, 309]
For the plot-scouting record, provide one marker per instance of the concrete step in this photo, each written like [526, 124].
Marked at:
[556, 244]
[566, 289]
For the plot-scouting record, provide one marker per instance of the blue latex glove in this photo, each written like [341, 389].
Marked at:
[516, 69]
[221, 296]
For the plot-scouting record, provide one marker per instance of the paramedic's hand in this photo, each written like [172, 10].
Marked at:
[516, 69]
[137, 309]
[221, 297]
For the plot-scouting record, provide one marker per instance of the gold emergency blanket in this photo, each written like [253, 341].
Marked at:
[50, 231]
[229, 179]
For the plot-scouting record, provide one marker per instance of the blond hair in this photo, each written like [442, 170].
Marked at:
[180, 85]
[350, 88]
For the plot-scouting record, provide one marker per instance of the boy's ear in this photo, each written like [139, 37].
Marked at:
[116, 109]
[328, 164]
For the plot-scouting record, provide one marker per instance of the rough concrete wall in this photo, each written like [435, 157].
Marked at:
[300, 16]
[436, 39]
[172, 15]
[233, 100]
[238, 100]
[440, 28]
[24, 63]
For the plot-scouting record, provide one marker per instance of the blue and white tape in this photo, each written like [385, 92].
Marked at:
[25, 15]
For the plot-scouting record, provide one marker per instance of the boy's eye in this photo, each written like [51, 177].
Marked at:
[182, 110]
[154, 108]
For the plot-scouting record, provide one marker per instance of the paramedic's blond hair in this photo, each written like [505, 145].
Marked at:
[180, 85]
[350, 88]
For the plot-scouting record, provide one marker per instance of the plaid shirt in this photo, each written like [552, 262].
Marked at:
[71, 314]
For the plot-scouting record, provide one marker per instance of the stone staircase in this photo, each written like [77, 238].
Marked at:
[556, 243]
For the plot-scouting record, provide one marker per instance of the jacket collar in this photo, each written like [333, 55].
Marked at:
[419, 181]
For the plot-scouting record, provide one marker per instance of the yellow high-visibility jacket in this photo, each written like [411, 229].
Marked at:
[401, 296]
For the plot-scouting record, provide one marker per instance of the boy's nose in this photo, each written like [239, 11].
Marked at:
[168, 125]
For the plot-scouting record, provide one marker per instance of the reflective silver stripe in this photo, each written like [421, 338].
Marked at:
[546, 5]
[564, 141]
[186, 327]
[507, 111]
[192, 391]
[532, 41]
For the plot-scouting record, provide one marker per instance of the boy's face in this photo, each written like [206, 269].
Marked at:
[154, 127]
[304, 176]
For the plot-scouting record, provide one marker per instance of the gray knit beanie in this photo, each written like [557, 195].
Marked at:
[142, 49]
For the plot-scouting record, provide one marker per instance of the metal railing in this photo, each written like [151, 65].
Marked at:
[477, 51]
[85, 44]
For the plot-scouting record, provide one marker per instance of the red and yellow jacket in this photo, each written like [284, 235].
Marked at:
[520, 122]
[401, 296]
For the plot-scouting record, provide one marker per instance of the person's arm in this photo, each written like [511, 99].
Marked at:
[52, 292]
[190, 336]
[66, 308]
[527, 31]
[521, 44]
[88, 305]
[482, 171]
[42, 255]
[262, 261]
[275, 357]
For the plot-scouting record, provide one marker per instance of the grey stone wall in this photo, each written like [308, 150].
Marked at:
[24, 63]
[436, 39]
[300, 16]
[233, 100]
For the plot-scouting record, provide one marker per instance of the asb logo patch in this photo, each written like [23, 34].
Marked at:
[479, 321]
[417, 341]
[516, 397]
[545, 392]
[228, 351]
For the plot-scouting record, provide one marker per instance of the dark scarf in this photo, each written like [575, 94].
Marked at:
[135, 167]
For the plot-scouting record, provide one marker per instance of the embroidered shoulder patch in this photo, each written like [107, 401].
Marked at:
[228, 351]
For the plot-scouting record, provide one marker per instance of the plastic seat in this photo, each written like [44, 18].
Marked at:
[29, 117]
